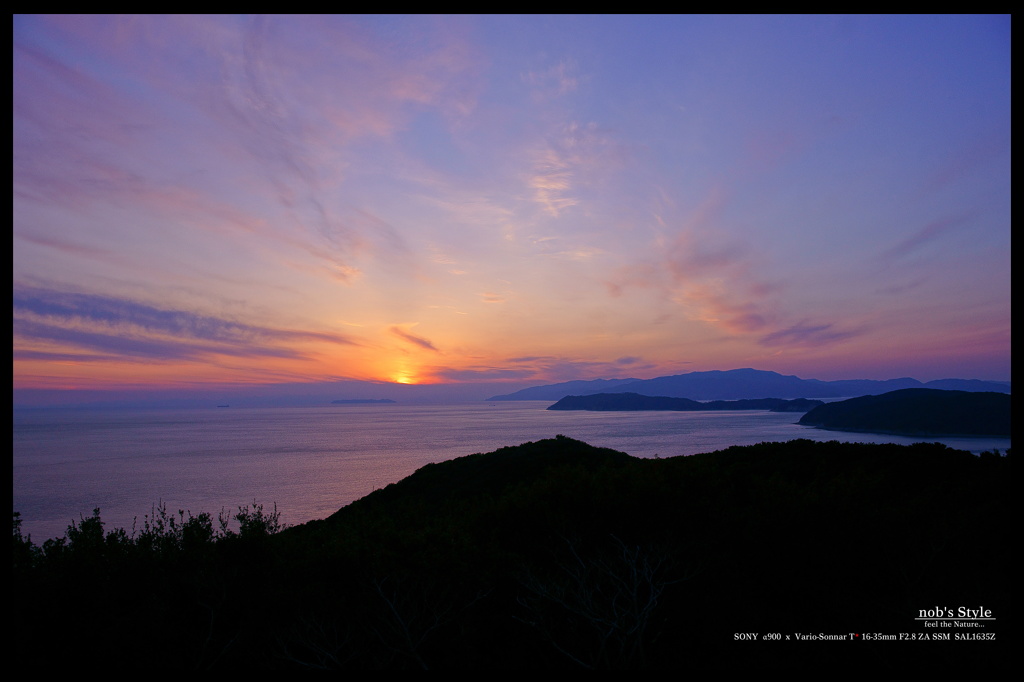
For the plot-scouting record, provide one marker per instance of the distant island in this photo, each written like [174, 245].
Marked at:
[362, 401]
[917, 412]
[625, 402]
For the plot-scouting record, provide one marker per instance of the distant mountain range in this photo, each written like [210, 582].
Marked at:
[744, 384]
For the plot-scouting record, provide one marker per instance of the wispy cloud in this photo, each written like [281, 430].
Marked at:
[712, 273]
[554, 81]
[286, 120]
[551, 182]
[70, 247]
[575, 158]
[413, 339]
[130, 329]
[129, 344]
[709, 303]
[992, 146]
[644, 275]
[807, 335]
[925, 235]
[478, 373]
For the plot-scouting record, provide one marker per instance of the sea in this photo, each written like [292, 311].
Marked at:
[311, 461]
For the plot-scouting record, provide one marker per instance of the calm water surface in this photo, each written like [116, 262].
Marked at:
[312, 461]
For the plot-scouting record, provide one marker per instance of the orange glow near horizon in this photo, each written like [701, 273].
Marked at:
[406, 373]
[379, 361]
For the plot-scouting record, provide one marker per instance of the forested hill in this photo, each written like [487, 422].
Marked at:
[918, 412]
[625, 402]
[559, 555]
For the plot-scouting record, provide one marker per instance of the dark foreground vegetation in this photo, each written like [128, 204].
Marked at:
[552, 555]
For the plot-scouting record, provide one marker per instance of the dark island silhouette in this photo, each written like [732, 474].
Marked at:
[555, 555]
[625, 402]
[917, 412]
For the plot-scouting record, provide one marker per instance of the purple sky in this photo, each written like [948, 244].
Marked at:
[203, 202]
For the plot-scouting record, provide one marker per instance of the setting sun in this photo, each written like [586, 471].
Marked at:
[405, 375]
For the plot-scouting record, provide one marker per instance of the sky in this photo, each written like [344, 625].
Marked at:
[211, 202]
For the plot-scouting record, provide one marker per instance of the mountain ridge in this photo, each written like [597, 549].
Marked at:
[744, 384]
